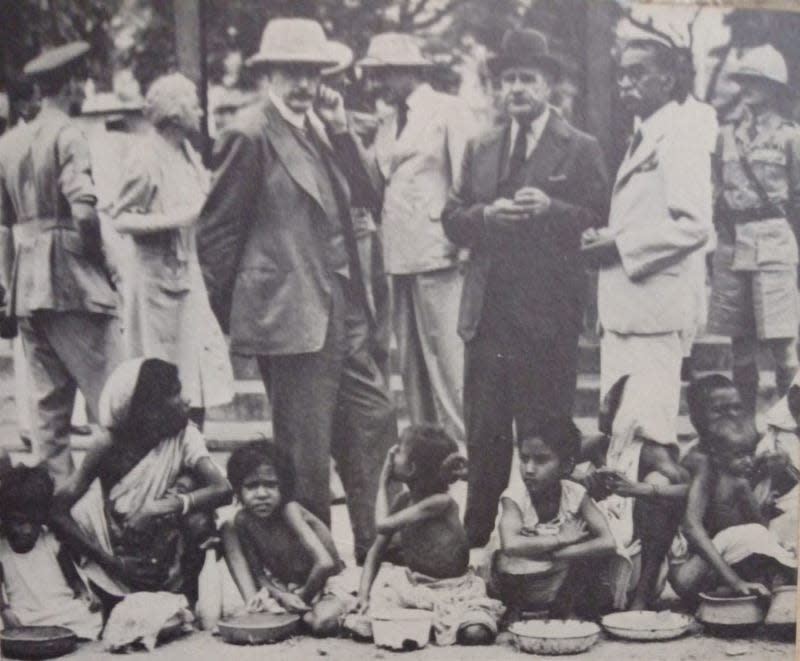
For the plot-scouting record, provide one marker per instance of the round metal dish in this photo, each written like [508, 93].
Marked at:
[37, 642]
[646, 625]
[258, 628]
[555, 636]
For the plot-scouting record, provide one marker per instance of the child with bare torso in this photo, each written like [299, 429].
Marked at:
[422, 531]
[277, 550]
[729, 546]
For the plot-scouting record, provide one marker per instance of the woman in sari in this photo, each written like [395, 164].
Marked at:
[131, 510]
[166, 312]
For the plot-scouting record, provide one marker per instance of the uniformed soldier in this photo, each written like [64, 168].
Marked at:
[754, 297]
[51, 257]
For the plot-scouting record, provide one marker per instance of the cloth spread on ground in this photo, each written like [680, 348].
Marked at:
[104, 518]
[39, 594]
[456, 602]
[737, 543]
[140, 617]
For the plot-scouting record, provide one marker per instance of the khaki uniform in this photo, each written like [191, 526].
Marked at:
[754, 285]
[62, 298]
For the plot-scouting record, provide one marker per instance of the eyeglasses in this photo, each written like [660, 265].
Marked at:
[525, 77]
[633, 74]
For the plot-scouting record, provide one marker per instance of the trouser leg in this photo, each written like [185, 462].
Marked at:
[302, 390]
[488, 415]
[416, 382]
[365, 427]
[745, 370]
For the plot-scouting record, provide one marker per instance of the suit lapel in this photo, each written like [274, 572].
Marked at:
[647, 150]
[291, 153]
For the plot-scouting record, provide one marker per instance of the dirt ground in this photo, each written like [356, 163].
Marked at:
[693, 647]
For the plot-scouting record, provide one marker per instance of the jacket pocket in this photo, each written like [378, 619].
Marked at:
[776, 246]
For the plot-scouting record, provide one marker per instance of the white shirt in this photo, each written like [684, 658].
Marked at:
[534, 132]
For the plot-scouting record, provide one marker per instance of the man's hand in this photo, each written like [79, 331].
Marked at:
[534, 200]
[746, 589]
[292, 602]
[503, 214]
[599, 248]
[330, 108]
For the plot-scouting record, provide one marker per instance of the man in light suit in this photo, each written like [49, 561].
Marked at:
[280, 261]
[660, 218]
[418, 150]
[53, 266]
[527, 191]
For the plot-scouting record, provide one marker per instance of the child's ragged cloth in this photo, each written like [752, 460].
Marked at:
[456, 602]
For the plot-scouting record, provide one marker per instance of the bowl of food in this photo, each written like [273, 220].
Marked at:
[646, 625]
[402, 628]
[258, 628]
[554, 636]
[37, 642]
[723, 614]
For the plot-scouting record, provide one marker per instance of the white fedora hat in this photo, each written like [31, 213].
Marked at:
[296, 41]
[393, 49]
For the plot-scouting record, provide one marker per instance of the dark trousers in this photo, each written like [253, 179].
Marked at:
[504, 388]
[335, 403]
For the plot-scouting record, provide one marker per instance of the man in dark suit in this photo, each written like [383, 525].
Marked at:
[526, 192]
[280, 261]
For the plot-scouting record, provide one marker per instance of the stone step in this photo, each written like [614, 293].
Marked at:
[250, 402]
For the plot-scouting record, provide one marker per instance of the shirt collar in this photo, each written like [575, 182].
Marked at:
[658, 121]
[295, 119]
[536, 128]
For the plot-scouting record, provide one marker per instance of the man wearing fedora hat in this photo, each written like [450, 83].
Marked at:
[418, 150]
[754, 298]
[527, 191]
[280, 261]
[52, 258]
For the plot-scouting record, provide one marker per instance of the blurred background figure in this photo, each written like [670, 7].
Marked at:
[166, 311]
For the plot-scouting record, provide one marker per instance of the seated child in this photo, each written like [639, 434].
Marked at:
[277, 550]
[40, 583]
[726, 542]
[421, 533]
[639, 485]
[547, 525]
[778, 468]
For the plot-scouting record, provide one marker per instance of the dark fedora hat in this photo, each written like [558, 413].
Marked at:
[524, 48]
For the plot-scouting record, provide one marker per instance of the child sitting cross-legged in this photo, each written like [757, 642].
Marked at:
[727, 545]
[280, 554]
[421, 535]
[549, 533]
[39, 581]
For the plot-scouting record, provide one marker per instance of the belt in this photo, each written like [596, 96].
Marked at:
[737, 217]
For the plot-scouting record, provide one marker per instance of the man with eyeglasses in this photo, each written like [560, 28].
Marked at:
[660, 218]
[280, 260]
[527, 191]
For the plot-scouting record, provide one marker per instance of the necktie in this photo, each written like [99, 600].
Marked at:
[402, 117]
[519, 151]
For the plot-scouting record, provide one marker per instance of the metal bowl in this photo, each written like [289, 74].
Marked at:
[647, 625]
[258, 628]
[555, 636]
[37, 642]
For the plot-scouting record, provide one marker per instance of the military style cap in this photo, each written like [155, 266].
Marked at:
[56, 58]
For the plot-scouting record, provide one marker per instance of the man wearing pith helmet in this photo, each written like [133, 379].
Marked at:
[280, 261]
[52, 258]
[418, 149]
[757, 216]
[527, 190]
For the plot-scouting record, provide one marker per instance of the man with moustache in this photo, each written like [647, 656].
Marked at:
[527, 191]
[280, 260]
[418, 150]
[660, 218]
[51, 254]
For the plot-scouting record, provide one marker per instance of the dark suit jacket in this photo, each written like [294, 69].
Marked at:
[263, 232]
[567, 165]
